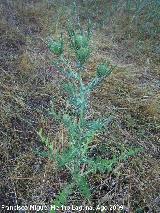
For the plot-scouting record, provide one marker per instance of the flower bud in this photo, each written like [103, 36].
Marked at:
[81, 41]
[103, 70]
[83, 54]
[56, 47]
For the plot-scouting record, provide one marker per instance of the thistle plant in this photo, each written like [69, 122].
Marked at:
[81, 130]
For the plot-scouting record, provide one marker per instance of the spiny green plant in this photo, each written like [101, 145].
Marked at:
[81, 130]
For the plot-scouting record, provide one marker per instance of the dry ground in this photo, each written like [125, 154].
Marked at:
[28, 84]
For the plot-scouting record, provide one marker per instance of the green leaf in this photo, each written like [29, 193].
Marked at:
[69, 88]
[101, 165]
[71, 124]
[102, 72]
[66, 120]
[66, 157]
[94, 126]
[129, 153]
[139, 210]
[93, 84]
[62, 197]
[78, 102]
[66, 72]
[40, 133]
[70, 31]
[56, 115]
[52, 111]
[44, 139]
[41, 153]
[83, 186]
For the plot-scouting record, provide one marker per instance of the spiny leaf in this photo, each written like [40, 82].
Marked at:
[70, 88]
[94, 126]
[44, 139]
[56, 115]
[66, 72]
[129, 153]
[62, 197]
[66, 157]
[101, 165]
[93, 84]
[41, 153]
[83, 186]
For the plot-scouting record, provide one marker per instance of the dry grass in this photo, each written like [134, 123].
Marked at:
[27, 85]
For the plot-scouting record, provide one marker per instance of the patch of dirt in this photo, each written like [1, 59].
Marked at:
[28, 82]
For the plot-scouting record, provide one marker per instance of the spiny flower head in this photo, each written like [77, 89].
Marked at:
[56, 47]
[83, 54]
[103, 70]
[81, 41]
